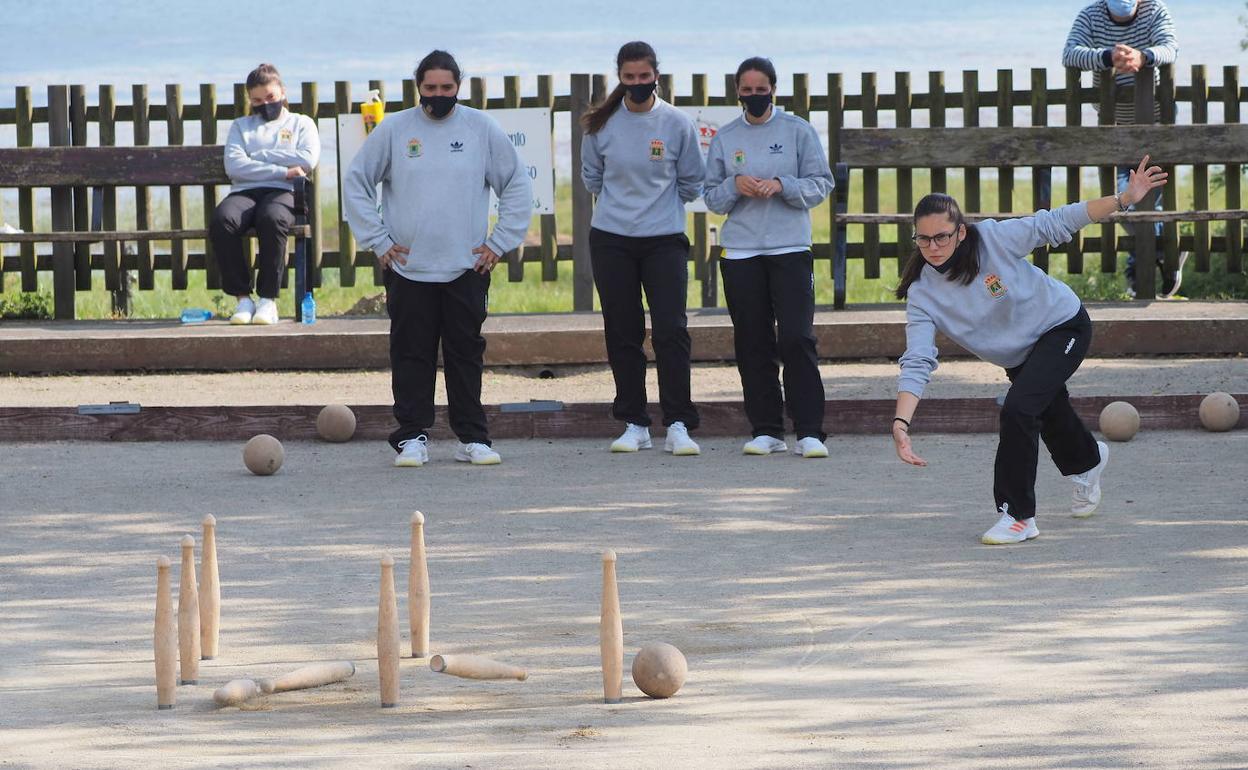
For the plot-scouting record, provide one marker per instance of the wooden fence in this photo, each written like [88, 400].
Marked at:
[69, 117]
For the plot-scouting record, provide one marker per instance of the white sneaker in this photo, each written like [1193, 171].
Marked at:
[1010, 530]
[810, 447]
[413, 453]
[244, 312]
[678, 441]
[635, 437]
[477, 454]
[763, 445]
[1088, 486]
[266, 312]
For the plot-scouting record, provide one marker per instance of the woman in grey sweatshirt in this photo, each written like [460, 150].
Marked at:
[974, 284]
[265, 151]
[640, 156]
[766, 170]
[436, 165]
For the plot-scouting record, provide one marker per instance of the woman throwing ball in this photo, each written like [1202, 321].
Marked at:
[974, 284]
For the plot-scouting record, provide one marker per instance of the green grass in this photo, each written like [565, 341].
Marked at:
[532, 295]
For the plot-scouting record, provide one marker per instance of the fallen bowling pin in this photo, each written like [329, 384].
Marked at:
[316, 675]
[475, 667]
[236, 692]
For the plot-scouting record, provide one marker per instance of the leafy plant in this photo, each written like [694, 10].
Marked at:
[35, 307]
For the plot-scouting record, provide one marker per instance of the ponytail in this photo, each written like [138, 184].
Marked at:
[597, 116]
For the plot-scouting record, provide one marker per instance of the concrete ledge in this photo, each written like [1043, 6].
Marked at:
[1122, 329]
[586, 420]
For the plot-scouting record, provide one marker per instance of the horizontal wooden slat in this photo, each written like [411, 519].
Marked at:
[53, 166]
[1031, 146]
[575, 420]
[1127, 216]
[98, 236]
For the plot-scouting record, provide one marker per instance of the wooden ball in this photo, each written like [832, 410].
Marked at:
[263, 455]
[1119, 421]
[659, 670]
[1219, 412]
[336, 423]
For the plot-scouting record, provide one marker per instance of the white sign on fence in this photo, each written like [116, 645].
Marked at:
[529, 130]
[708, 121]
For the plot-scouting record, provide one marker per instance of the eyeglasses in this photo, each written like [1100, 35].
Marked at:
[940, 239]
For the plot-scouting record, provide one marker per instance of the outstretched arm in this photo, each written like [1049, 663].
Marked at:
[1144, 179]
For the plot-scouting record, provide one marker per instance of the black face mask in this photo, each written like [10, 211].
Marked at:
[640, 93]
[439, 106]
[756, 104]
[270, 111]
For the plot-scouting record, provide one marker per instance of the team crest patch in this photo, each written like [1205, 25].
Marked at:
[414, 148]
[656, 149]
[738, 158]
[994, 286]
[285, 136]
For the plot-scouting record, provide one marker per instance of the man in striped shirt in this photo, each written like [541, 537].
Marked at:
[1123, 37]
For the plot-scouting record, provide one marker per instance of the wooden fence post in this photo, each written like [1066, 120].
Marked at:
[62, 209]
[582, 203]
[1145, 240]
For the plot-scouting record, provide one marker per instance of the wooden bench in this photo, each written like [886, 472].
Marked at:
[69, 169]
[1074, 147]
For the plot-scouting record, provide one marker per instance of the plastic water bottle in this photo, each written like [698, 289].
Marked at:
[308, 309]
[195, 315]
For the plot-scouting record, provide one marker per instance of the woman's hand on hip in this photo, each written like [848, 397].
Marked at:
[486, 259]
[396, 254]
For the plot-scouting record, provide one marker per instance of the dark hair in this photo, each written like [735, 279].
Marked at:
[596, 117]
[965, 258]
[263, 75]
[437, 60]
[759, 64]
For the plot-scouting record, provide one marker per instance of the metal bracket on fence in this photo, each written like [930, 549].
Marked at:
[112, 407]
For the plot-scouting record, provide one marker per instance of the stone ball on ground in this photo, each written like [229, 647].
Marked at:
[659, 670]
[1219, 411]
[263, 455]
[1119, 421]
[336, 423]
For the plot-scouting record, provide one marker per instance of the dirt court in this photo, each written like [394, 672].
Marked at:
[835, 613]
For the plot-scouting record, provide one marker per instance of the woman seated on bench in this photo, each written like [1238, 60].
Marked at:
[265, 151]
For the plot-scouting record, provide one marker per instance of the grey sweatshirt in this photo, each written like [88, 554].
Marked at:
[258, 153]
[785, 148]
[436, 177]
[1004, 310]
[643, 166]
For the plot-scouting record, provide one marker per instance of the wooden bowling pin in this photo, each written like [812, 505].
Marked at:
[611, 633]
[388, 636]
[209, 592]
[418, 589]
[165, 638]
[188, 615]
[316, 675]
[475, 667]
[236, 692]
